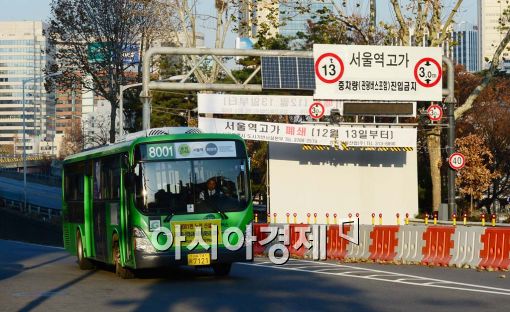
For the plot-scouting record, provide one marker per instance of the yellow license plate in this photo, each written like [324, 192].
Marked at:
[188, 230]
[199, 259]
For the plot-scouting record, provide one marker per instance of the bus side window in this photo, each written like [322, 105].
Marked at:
[73, 187]
[74, 191]
[97, 179]
[107, 178]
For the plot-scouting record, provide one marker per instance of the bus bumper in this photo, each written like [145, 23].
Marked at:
[166, 259]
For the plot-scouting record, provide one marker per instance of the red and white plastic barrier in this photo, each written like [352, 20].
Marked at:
[460, 246]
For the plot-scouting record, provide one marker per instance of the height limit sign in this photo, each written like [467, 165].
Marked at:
[377, 73]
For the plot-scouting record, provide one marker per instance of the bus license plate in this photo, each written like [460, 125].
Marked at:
[199, 259]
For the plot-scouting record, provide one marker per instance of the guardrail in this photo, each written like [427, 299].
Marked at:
[44, 212]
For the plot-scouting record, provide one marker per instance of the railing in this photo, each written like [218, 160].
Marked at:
[46, 213]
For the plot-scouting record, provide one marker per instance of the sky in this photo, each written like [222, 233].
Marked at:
[24, 10]
[40, 10]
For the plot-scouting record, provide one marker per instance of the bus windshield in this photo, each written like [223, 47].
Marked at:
[192, 186]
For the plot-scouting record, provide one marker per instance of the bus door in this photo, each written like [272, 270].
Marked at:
[106, 204]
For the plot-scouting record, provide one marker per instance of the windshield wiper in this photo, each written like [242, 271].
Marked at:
[169, 217]
[222, 214]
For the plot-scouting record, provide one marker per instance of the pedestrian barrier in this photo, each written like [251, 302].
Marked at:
[336, 247]
[410, 243]
[438, 244]
[467, 246]
[360, 250]
[383, 242]
[496, 248]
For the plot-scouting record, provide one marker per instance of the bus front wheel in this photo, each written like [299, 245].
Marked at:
[222, 269]
[121, 271]
[83, 263]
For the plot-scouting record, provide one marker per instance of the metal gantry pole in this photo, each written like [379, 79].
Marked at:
[147, 85]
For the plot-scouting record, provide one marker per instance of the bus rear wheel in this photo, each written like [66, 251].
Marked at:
[83, 263]
[222, 269]
[122, 272]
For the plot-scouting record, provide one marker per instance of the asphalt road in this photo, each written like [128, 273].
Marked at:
[39, 278]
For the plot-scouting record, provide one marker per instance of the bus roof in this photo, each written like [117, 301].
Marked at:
[125, 146]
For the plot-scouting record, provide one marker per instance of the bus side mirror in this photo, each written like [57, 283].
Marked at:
[130, 181]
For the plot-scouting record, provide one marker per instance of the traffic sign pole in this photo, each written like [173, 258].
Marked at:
[450, 102]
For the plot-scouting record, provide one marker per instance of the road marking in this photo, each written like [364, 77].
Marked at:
[406, 279]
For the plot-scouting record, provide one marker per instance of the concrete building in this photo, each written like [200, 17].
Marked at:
[96, 123]
[489, 14]
[23, 56]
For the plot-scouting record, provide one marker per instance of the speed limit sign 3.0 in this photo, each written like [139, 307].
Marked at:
[457, 161]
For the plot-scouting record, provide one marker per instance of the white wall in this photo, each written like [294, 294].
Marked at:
[341, 182]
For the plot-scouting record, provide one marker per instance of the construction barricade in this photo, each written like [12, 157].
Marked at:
[299, 242]
[410, 243]
[360, 250]
[460, 246]
[438, 245]
[496, 248]
[467, 245]
[258, 249]
[383, 242]
[336, 247]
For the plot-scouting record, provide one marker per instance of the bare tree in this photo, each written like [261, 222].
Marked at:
[426, 19]
[92, 38]
[72, 141]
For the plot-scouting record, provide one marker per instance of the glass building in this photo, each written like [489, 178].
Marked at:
[23, 56]
[465, 48]
[294, 20]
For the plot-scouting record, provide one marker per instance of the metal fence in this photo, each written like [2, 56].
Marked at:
[46, 214]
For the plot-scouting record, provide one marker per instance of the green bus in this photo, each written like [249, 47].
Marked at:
[123, 202]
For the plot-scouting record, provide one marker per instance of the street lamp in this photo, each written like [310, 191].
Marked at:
[23, 83]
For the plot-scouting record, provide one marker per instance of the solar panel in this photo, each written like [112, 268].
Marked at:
[288, 73]
[307, 77]
[283, 72]
[270, 73]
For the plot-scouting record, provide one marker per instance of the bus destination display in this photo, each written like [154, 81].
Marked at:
[181, 150]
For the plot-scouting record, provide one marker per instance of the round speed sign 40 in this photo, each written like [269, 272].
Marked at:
[457, 161]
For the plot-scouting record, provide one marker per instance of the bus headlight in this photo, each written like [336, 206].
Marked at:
[142, 243]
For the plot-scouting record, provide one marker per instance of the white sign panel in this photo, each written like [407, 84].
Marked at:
[259, 104]
[351, 72]
[353, 136]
